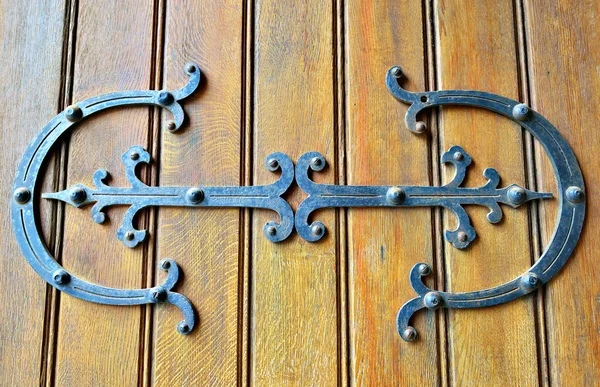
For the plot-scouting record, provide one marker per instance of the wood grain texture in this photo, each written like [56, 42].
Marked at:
[294, 291]
[100, 344]
[383, 244]
[31, 38]
[477, 50]
[564, 57]
[204, 242]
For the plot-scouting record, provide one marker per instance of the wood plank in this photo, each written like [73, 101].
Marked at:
[204, 242]
[477, 50]
[385, 243]
[113, 52]
[294, 314]
[564, 53]
[32, 38]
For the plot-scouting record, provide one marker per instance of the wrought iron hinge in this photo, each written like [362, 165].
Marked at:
[451, 196]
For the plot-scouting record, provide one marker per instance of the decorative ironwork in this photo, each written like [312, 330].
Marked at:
[451, 196]
[571, 199]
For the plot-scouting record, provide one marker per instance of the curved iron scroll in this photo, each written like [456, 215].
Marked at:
[571, 198]
[451, 196]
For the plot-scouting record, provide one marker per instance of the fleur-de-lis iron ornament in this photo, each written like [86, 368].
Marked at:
[451, 196]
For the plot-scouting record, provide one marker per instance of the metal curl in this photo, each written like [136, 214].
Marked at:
[571, 211]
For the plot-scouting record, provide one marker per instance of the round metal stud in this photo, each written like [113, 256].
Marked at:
[61, 277]
[77, 195]
[194, 195]
[433, 300]
[395, 195]
[165, 98]
[409, 334]
[516, 195]
[529, 282]
[521, 112]
[165, 264]
[129, 235]
[134, 156]
[22, 195]
[159, 295]
[273, 163]
[317, 230]
[574, 194]
[316, 162]
[420, 127]
[183, 328]
[190, 68]
[424, 270]
[171, 126]
[271, 230]
[397, 71]
[458, 156]
[462, 236]
[73, 113]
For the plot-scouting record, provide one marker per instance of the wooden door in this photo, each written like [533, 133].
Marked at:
[292, 77]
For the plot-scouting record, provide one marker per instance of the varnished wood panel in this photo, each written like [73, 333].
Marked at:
[383, 244]
[100, 344]
[294, 314]
[31, 38]
[564, 55]
[204, 242]
[476, 49]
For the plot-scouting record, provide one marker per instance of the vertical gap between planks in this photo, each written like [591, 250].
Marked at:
[430, 63]
[51, 317]
[341, 248]
[245, 245]
[445, 364]
[246, 106]
[531, 179]
[152, 177]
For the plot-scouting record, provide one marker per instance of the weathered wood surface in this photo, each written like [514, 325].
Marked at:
[296, 77]
[383, 244]
[204, 242]
[564, 54]
[476, 49]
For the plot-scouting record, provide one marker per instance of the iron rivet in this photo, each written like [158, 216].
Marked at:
[195, 195]
[61, 277]
[22, 195]
[317, 229]
[433, 300]
[424, 270]
[134, 156]
[271, 230]
[462, 236]
[165, 98]
[171, 125]
[395, 195]
[458, 156]
[521, 112]
[165, 265]
[397, 71]
[574, 194]
[190, 68]
[73, 113]
[517, 195]
[316, 162]
[77, 195]
[159, 295]
[273, 163]
[129, 235]
[529, 282]
[183, 328]
[409, 334]
[420, 127]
